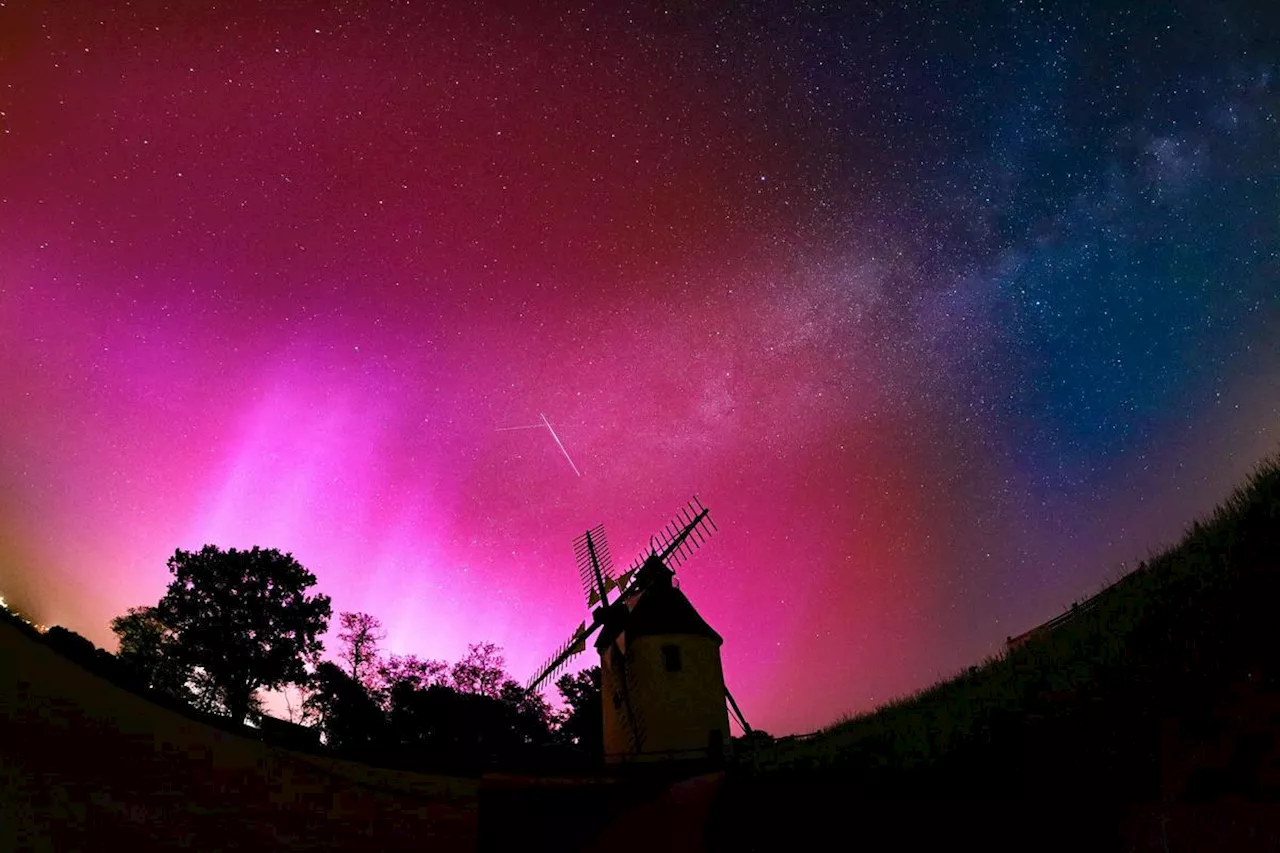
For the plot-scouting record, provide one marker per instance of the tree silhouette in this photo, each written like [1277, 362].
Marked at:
[418, 673]
[72, 645]
[343, 709]
[583, 724]
[530, 715]
[480, 671]
[443, 728]
[147, 651]
[360, 634]
[241, 620]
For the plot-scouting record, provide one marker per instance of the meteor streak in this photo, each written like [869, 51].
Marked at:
[545, 423]
[557, 438]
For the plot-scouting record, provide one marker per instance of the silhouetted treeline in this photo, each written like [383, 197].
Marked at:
[464, 718]
[234, 622]
[406, 723]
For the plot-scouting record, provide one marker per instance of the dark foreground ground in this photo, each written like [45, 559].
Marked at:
[718, 813]
[87, 765]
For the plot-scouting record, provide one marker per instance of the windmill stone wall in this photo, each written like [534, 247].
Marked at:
[662, 680]
[678, 713]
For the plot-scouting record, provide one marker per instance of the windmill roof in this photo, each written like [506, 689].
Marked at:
[663, 609]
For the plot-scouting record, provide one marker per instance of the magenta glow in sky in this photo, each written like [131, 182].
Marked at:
[938, 347]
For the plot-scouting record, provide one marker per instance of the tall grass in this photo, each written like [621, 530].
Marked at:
[1086, 706]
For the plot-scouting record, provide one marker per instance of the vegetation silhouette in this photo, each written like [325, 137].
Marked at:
[230, 623]
[418, 672]
[360, 634]
[343, 710]
[1164, 689]
[74, 646]
[397, 710]
[583, 723]
[1160, 693]
[147, 652]
[480, 671]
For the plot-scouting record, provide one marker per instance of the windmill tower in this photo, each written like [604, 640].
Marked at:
[663, 692]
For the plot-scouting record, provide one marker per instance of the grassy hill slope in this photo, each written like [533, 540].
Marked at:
[1165, 691]
[87, 765]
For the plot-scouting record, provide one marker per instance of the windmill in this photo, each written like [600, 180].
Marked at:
[663, 692]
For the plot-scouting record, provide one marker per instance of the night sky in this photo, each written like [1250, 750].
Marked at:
[945, 312]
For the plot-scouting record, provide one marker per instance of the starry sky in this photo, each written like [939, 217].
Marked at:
[947, 312]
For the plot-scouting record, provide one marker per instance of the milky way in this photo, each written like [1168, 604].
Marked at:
[946, 319]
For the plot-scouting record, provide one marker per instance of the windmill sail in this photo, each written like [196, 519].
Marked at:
[575, 645]
[675, 543]
[595, 564]
[593, 598]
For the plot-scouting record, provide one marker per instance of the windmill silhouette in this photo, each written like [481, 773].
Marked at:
[663, 692]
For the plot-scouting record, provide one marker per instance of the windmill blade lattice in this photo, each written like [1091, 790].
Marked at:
[591, 551]
[575, 645]
[676, 542]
